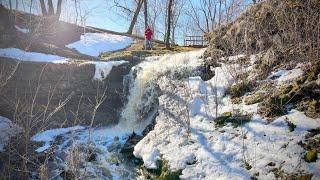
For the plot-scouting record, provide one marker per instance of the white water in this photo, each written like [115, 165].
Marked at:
[136, 115]
[148, 74]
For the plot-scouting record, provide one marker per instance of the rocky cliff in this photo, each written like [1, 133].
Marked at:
[59, 94]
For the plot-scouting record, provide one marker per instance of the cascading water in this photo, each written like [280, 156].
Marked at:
[141, 85]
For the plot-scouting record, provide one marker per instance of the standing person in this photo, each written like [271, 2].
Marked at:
[148, 36]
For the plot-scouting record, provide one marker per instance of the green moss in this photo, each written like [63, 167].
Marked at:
[254, 98]
[291, 126]
[227, 117]
[163, 172]
[311, 156]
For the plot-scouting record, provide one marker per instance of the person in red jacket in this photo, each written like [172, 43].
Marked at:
[148, 36]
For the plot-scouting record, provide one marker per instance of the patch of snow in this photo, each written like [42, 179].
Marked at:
[48, 136]
[233, 58]
[7, 130]
[104, 68]
[277, 74]
[290, 76]
[302, 121]
[21, 55]
[23, 30]
[94, 44]
[253, 59]
[286, 76]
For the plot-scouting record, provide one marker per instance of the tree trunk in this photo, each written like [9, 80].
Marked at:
[169, 24]
[10, 4]
[43, 8]
[58, 13]
[145, 14]
[135, 17]
[50, 8]
[219, 22]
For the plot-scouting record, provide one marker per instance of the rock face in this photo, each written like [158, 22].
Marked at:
[54, 95]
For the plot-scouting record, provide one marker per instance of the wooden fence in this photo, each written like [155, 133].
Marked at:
[195, 41]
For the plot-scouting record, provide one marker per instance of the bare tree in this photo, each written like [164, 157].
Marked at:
[176, 12]
[43, 8]
[169, 18]
[145, 13]
[50, 10]
[135, 16]
[204, 14]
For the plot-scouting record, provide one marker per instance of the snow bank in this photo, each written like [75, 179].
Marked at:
[104, 68]
[286, 76]
[94, 44]
[7, 130]
[23, 30]
[48, 136]
[302, 121]
[21, 55]
[207, 152]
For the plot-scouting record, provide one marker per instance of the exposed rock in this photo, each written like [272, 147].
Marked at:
[48, 85]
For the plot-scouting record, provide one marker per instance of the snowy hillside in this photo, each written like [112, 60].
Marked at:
[190, 136]
[94, 44]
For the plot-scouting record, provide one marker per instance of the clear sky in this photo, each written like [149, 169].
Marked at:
[99, 13]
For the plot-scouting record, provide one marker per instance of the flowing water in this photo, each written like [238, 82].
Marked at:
[95, 152]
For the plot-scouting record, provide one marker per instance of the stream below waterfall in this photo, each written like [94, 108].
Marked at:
[96, 153]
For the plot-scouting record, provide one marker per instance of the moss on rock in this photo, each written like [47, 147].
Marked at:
[311, 156]
[235, 120]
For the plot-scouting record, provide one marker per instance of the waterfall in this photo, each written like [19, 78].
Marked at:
[143, 90]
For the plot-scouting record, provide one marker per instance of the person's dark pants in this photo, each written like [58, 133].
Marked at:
[148, 44]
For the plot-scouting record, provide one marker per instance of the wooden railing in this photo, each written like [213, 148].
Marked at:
[195, 41]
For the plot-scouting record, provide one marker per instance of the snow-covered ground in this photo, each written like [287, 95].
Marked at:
[103, 68]
[94, 44]
[31, 56]
[23, 30]
[7, 130]
[209, 152]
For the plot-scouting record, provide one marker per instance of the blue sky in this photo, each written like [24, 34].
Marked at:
[99, 14]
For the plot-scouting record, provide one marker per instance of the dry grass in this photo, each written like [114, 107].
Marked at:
[136, 50]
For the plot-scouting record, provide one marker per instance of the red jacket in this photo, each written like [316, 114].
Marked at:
[148, 34]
